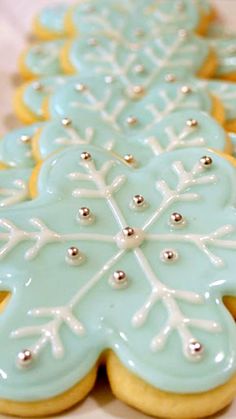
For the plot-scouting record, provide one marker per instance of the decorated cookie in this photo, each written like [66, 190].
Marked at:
[177, 130]
[14, 187]
[41, 60]
[102, 99]
[128, 24]
[30, 100]
[226, 92]
[226, 52]
[176, 50]
[15, 147]
[49, 23]
[173, 51]
[168, 331]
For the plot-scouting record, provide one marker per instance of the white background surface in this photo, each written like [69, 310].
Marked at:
[15, 20]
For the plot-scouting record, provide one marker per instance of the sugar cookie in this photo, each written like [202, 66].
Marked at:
[126, 23]
[41, 60]
[31, 100]
[178, 51]
[185, 128]
[169, 332]
[49, 23]
[15, 147]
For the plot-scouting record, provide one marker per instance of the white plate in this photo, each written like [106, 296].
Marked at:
[15, 20]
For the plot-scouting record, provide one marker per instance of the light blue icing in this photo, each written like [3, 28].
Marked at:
[15, 147]
[105, 312]
[35, 93]
[226, 53]
[124, 22]
[169, 134]
[51, 18]
[166, 53]
[109, 103]
[14, 186]
[43, 59]
[225, 91]
[170, 51]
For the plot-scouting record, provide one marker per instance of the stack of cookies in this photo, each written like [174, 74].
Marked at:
[117, 218]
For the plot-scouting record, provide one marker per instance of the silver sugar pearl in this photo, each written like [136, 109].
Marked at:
[186, 90]
[170, 78]
[85, 156]
[168, 255]
[138, 90]
[84, 212]
[206, 161]
[195, 348]
[119, 276]
[66, 122]
[74, 257]
[139, 69]
[109, 79]
[131, 120]
[176, 218]
[37, 86]
[129, 158]
[80, 87]
[73, 252]
[25, 139]
[24, 358]
[128, 231]
[138, 200]
[192, 123]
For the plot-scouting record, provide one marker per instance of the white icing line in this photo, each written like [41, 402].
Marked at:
[186, 180]
[13, 196]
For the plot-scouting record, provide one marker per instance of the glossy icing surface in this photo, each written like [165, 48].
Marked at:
[43, 59]
[14, 186]
[52, 18]
[94, 99]
[226, 52]
[154, 321]
[171, 133]
[15, 147]
[36, 92]
[123, 22]
[226, 92]
[171, 51]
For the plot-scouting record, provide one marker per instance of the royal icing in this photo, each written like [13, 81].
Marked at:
[14, 186]
[95, 98]
[167, 326]
[42, 59]
[176, 51]
[51, 18]
[226, 54]
[15, 147]
[126, 24]
[178, 130]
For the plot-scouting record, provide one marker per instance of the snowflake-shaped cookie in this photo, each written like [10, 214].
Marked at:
[132, 259]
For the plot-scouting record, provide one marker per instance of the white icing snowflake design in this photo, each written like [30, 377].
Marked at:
[100, 181]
